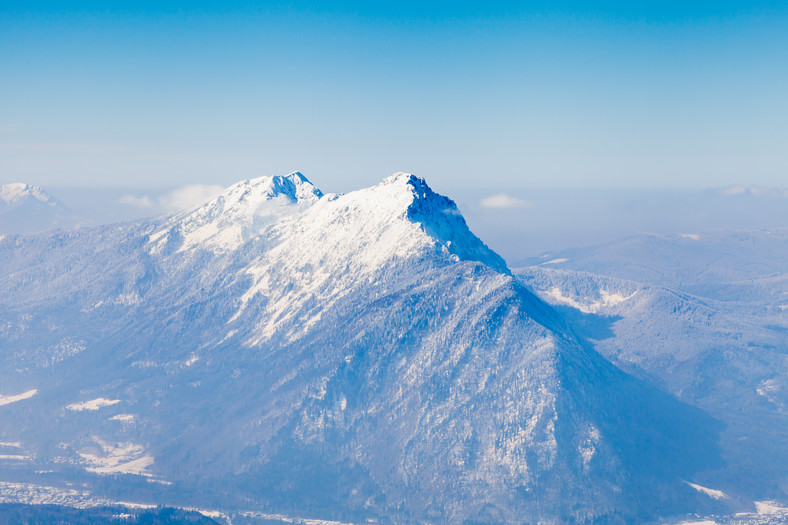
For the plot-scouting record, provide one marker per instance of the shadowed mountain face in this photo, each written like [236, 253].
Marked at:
[360, 355]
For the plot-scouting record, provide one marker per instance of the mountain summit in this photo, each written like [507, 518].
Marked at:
[17, 193]
[357, 356]
[401, 214]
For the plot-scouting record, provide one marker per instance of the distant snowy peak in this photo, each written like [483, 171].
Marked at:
[25, 208]
[17, 193]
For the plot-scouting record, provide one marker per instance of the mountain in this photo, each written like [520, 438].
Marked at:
[29, 209]
[358, 356]
[707, 322]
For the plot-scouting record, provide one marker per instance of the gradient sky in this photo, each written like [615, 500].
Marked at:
[510, 95]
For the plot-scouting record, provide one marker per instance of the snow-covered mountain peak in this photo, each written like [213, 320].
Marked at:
[341, 243]
[248, 198]
[249, 194]
[417, 186]
[401, 177]
[399, 216]
[438, 216]
[17, 192]
[239, 213]
[295, 186]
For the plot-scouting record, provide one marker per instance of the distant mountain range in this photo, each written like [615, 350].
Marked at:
[282, 352]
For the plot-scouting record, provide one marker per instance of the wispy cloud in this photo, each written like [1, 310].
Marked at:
[732, 190]
[179, 199]
[143, 202]
[189, 196]
[504, 201]
[756, 191]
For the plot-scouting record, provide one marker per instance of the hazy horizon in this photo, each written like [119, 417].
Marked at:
[516, 224]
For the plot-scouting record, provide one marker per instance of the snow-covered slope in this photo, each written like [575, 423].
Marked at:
[28, 209]
[358, 356]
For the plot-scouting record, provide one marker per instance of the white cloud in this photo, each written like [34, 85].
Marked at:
[755, 191]
[732, 190]
[179, 199]
[190, 196]
[504, 201]
[758, 191]
[137, 202]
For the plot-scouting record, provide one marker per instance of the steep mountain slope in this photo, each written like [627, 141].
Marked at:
[29, 209]
[362, 356]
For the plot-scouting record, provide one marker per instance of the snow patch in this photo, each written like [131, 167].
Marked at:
[606, 300]
[7, 400]
[116, 458]
[140, 506]
[123, 418]
[15, 457]
[555, 261]
[587, 447]
[770, 390]
[712, 493]
[769, 507]
[93, 404]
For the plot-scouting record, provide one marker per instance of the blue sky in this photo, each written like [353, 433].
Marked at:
[511, 95]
